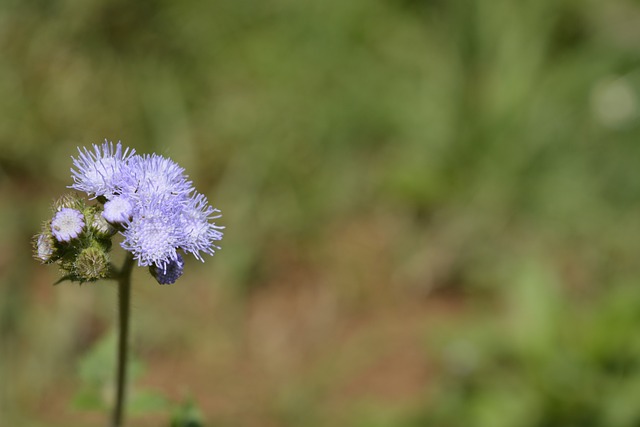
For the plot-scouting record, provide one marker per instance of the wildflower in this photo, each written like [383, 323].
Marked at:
[98, 173]
[170, 273]
[198, 233]
[154, 174]
[117, 210]
[152, 203]
[153, 234]
[167, 213]
[67, 224]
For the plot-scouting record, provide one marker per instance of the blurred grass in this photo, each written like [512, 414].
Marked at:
[385, 168]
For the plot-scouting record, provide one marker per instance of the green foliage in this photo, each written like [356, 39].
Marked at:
[548, 360]
[462, 138]
[309, 113]
[187, 414]
[146, 401]
[97, 374]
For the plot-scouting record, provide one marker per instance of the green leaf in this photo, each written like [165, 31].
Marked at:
[89, 399]
[187, 415]
[146, 401]
[98, 365]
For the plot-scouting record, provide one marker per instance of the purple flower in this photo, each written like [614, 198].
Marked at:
[152, 234]
[118, 210]
[154, 174]
[157, 206]
[168, 275]
[99, 172]
[67, 224]
[198, 233]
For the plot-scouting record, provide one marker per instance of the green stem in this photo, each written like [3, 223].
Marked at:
[124, 297]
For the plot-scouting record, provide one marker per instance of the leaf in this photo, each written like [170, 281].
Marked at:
[89, 399]
[187, 415]
[98, 365]
[147, 401]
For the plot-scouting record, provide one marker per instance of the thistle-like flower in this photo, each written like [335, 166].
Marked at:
[67, 224]
[118, 210]
[148, 199]
[172, 271]
[99, 172]
[153, 204]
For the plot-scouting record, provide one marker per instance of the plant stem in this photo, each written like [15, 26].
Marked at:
[124, 297]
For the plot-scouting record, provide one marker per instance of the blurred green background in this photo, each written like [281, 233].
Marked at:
[431, 208]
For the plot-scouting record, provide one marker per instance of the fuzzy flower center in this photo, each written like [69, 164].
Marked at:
[67, 224]
[117, 210]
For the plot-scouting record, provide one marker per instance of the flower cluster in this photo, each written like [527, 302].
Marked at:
[77, 238]
[149, 200]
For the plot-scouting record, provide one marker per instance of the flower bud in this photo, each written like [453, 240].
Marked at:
[69, 200]
[91, 264]
[101, 227]
[43, 247]
[170, 273]
[117, 210]
[67, 224]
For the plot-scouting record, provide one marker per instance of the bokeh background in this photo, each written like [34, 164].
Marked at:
[432, 209]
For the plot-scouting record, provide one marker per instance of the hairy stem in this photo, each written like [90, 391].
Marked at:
[124, 294]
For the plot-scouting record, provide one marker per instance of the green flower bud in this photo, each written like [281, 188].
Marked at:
[69, 200]
[91, 264]
[44, 247]
[101, 227]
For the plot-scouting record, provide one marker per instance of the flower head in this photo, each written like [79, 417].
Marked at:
[77, 239]
[170, 273]
[152, 234]
[198, 233]
[157, 175]
[167, 213]
[117, 210]
[99, 172]
[91, 264]
[67, 224]
[148, 199]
